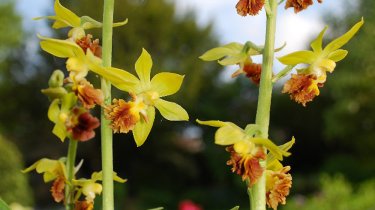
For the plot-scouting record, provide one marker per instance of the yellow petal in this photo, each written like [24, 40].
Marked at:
[61, 48]
[327, 64]
[166, 83]
[342, 40]
[279, 153]
[171, 111]
[54, 110]
[229, 134]
[316, 45]
[213, 123]
[307, 57]
[142, 129]
[143, 67]
[338, 55]
[65, 17]
[120, 78]
[219, 52]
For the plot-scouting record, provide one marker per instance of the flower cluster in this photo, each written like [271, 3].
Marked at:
[54, 170]
[84, 54]
[304, 86]
[247, 153]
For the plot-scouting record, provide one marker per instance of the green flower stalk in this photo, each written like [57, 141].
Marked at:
[106, 131]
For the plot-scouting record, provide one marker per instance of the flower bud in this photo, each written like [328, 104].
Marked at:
[56, 79]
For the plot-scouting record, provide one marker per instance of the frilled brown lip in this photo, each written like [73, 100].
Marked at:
[88, 95]
[87, 43]
[298, 86]
[82, 125]
[281, 187]
[58, 189]
[249, 7]
[299, 5]
[247, 166]
[253, 71]
[123, 120]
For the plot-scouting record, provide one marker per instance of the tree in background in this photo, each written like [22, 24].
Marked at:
[350, 120]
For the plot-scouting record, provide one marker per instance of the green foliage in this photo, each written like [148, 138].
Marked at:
[3, 205]
[337, 194]
[13, 184]
[350, 119]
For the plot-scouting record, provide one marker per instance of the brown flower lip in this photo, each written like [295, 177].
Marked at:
[299, 86]
[121, 115]
[249, 7]
[57, 189]
[253, 71]
[83, 205]
[299, 5]
[88, 95]
[87, 43]
[82, 125]
[247, 166]
[282, 182]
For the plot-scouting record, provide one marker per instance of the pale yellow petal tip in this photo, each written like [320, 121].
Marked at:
[213, 123]
[122, 23]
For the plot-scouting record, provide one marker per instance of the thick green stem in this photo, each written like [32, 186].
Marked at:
[106, 131]
[258, 191]
[70, 162]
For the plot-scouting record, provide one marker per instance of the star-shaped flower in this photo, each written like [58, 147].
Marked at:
[147, 95]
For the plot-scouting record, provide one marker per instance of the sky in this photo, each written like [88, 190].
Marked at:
[294, 29]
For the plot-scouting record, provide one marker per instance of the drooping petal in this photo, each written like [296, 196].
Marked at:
[89, 23]
[166, 83]
[171, 111]
[54, 110]
[213, 123]
[142, 129]
[60, 131]
[235, 59]
[219, 52]
[307, 57]
[143, 67]
[342, 40]
[99, 176]
[61, 48]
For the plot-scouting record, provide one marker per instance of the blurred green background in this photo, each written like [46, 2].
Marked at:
[333, 161]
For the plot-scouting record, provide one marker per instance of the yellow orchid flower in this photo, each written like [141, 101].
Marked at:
[321, 60]
[66, 18]
[244, 149]
[51, 169]
[147, 95]
[89, 188]
[230, 134]
[80, 62]
[58, 113]
[235, 53]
